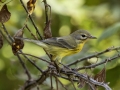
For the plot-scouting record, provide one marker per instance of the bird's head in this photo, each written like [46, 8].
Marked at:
[82, 35]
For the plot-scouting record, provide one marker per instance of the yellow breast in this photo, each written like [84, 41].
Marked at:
[79, 47]
[67, 52]
[58, 52]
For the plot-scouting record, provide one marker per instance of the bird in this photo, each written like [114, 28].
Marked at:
[59, 47]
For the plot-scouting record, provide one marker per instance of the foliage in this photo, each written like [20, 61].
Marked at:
[100, 17]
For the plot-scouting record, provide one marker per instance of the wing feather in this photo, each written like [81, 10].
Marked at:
[64, 42]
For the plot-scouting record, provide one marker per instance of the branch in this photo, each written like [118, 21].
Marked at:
[46, 10]
[94, 55]
[38, 58]
[67, 72]
[22, 63]
[31, 62]
[33, 83]
[5, 30]
[35, 37]
[25, 68]
[31, 20]
[85, 77]
[100, 63]
[60, 82]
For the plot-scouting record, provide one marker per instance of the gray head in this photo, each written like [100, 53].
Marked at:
[82, 35]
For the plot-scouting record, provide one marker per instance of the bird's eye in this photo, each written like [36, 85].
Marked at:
[83, 35]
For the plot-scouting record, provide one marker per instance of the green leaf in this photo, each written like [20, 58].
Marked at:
[110, 31]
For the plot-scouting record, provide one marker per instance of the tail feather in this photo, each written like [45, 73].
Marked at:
[42, 44]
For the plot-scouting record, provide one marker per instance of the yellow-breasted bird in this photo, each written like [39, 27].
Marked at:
[60, 47]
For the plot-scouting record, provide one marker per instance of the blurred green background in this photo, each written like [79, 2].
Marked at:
[100, 17]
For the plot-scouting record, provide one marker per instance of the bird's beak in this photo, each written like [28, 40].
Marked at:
[92, 37]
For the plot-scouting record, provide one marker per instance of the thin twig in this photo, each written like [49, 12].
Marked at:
[72, 83]
[100, 63]
[85, 77]
[31, 20]
[5, 37]
[51, 81]
[64, 72]
[38, 58]
[25, 68]
[40, 80]
[31, 32]
[60, 83]
[32, 62]
[22, 63]
[56, 83]
[38, 88]
[4, 28]
[37, 31]
[94, 55]
[46, 10]
[91, 86]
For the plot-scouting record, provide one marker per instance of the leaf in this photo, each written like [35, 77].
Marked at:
[47, 30]
[4, 14]
[18, 43]
[101, 76]
[1, 41]
[31, 6]
[110, 31]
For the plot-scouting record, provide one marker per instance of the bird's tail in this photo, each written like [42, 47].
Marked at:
[42, 44]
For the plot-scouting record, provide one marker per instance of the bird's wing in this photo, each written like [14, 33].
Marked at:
[64, 42]
[51, 41]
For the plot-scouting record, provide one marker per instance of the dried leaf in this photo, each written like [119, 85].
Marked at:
[18, 43]
[4, 14]
[1, 41]
[31, 6]
[47, 30]
[101, 76]
[81, 83]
